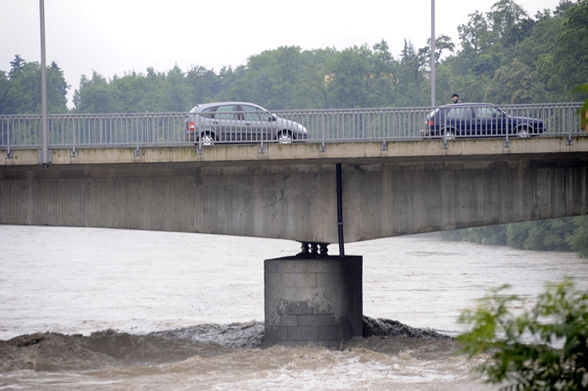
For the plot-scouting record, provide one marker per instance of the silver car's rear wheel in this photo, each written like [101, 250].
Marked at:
[207, 138]
[284, 137]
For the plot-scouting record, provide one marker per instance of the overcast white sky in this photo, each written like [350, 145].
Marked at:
[119, 36]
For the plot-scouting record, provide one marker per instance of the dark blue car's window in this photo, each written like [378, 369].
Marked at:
[460, 113]
[496, 113]
[484, 112]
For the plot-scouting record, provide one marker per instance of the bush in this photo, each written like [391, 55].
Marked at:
[544, 348]
[563, 234]
[579, 240]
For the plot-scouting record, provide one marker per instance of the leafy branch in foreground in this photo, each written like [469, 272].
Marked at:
[544, 348]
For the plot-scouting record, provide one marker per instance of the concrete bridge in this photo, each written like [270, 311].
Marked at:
[290, 191]
[309, 192]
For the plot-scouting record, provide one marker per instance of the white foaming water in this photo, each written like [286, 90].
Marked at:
[72, 280]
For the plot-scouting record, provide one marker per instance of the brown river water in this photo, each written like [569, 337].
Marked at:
[102, 309]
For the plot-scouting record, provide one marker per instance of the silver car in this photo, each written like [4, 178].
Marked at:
[232, 122]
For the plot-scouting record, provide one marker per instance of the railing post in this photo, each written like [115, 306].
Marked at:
[137, 150]
[8, 152]
[323, 147]
[261, 149]
[340, 211]
[507, 132]
[572, 123]
[74, 151]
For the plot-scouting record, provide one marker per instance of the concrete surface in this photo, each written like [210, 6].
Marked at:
[313, 300]
[289, 192]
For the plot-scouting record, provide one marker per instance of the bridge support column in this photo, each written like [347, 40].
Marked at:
[313, 300]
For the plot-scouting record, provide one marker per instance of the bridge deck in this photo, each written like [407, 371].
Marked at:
[301, 153]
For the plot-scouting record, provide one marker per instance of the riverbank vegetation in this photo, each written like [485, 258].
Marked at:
[503, 56]
[566, 234]
[543, 347]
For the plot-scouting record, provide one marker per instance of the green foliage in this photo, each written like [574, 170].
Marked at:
[150, 92]
[564, 234]
[579, 240]
[20, 91]
[544, 235]
[583, 89]
[490, 235]
[514, 83]
[544, 348]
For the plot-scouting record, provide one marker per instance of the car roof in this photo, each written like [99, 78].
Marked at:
[203, 106]
[468, 104]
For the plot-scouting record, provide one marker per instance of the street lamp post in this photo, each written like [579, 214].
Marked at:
[45, 149]
[432, 53]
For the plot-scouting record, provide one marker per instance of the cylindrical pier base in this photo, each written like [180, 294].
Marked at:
[313, 300]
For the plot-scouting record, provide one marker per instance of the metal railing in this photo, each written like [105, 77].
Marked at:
[76, 131]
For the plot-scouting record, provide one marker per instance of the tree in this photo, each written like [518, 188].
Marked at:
[579, 239]
[506, 18]
[20, 93]
[474, 35]
[562, 234]
[16, 65]
[562, 61]
[4, 87]
[348, 85]
[544, 348]
[95, 96]
[442, 43]
[201, 85]
[56, 89]
[514, 83]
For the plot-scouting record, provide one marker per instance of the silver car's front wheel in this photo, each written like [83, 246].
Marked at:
[284, 137]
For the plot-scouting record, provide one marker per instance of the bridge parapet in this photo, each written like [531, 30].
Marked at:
[406, 151]
[383, 125]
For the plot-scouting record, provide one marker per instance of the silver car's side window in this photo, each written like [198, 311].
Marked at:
[226, 112]
[208, 112]
[250, 113]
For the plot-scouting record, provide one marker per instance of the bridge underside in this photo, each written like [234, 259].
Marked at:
[296, 199]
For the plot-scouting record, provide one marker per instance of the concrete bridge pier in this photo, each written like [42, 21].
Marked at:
[313, 299]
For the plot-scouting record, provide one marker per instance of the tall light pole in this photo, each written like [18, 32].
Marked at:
[432, 53]
[45, 151]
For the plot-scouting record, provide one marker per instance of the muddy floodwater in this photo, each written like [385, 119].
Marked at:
[102, 309]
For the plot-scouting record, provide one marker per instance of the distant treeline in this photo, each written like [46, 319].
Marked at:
[503, 56]
[567, 234]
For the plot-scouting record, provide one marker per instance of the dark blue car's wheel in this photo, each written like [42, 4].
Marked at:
[449, 133]
[524, 131]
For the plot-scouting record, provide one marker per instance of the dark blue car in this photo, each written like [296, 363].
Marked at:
[478, 119]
